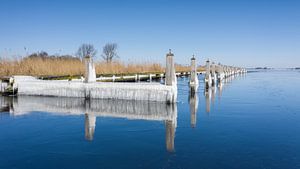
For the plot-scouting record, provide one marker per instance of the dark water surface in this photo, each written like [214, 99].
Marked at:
[252, 121]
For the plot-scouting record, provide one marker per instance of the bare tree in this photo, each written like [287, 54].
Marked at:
[110, 52]
[86, 50]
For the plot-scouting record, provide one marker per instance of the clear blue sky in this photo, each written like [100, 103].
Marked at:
[236, 32]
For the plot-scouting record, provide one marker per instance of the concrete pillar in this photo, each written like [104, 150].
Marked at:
[207, 75]
[194, 78]
[90, 72]
[136, 78]
[220, 73]
[170, 70]
[225, 71]
[213, 74]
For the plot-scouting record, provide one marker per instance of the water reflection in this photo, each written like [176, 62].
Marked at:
[91, 109]
[193, 100]
[207, 94]
[6, 104]
[220, 90]
[89, 126]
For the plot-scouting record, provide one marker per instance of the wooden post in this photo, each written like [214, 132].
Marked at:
[170, 70]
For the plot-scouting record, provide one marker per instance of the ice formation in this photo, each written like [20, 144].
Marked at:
[98, 90]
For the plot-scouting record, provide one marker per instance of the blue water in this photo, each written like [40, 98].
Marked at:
[252, 121]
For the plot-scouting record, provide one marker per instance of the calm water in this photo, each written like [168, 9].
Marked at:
[252, 121]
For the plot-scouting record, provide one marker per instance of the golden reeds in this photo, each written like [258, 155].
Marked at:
[38, 66]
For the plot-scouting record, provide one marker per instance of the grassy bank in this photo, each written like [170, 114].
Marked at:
[72, 66]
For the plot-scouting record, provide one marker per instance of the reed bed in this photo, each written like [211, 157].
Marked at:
[44, 66]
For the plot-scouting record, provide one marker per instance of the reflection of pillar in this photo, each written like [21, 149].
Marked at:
[213, 93]
[170, 135]
[207, 99]
[220, 87]
[171, 125]
[90, 124]
[193, 99]
[6, 104]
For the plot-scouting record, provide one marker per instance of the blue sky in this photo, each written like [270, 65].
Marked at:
[234, 32]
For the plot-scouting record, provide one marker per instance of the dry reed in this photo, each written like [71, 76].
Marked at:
[65, 66]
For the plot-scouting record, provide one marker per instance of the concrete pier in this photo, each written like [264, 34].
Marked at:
[103, 90]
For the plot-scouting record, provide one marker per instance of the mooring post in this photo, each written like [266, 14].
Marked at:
[170, 70]
[207, 75]
[150, 78]
[220, 73]
[213, 74]
[90, 72]
[194, 78]
[225, 71]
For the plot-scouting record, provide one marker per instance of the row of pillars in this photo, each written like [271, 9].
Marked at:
[214, 73]
[170, 76]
